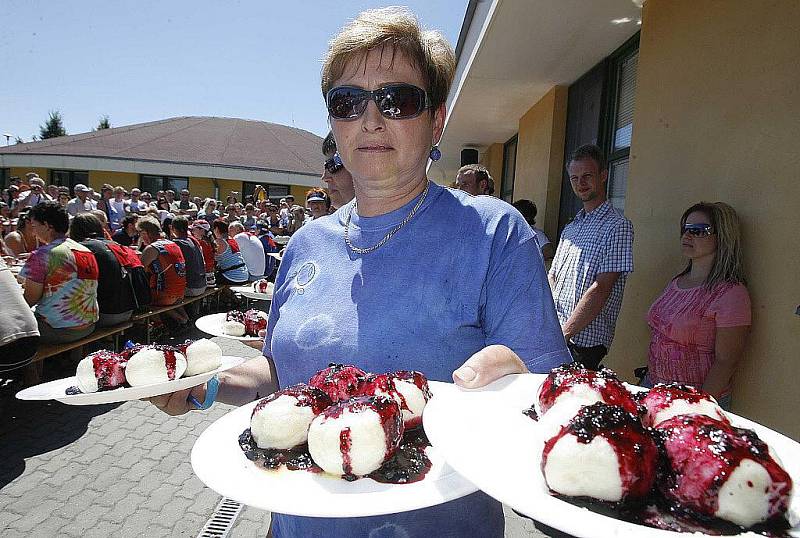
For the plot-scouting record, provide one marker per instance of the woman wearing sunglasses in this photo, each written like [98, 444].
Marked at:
[700, 323]
[409, 275]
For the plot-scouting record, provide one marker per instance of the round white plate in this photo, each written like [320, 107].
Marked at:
[485, 437]
[249, 292]
[54, 390]
[220, 463]
[212, 324]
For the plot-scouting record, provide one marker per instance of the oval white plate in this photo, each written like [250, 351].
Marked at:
[485, 437]
[54, 390]
[248, 291]
[212, 324]
[220, 463]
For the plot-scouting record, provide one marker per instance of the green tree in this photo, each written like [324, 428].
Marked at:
[53, 127]
[18, 140]
[103, 124]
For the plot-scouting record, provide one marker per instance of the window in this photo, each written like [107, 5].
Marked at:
[69, 178]
[274, 192]
[153, 184]
[509, 166]
[600, 109]
[624, 78]
[3, 178]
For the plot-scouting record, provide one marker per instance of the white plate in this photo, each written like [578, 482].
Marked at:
[54, 390]
[212, 324]
[220, 463]
[485, 437]
[249, 292]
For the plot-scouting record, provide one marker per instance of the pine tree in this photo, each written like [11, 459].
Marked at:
[53, 127]
[18, 140]
[104, 123]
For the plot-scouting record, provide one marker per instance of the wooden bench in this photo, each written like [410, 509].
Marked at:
[49, 350]
[153, 311]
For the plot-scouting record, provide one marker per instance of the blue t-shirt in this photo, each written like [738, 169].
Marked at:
[463, 273]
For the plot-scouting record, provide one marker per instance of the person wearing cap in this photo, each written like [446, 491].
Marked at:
[335, 175]
[270, 247]
[136, 204]
[82, 203]
[184, 206]
[318, 202]
[34, 196]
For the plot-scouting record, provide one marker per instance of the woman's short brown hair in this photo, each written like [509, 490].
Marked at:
[397, 27]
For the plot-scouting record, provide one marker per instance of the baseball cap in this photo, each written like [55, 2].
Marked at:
[80, 187]
[316, 197]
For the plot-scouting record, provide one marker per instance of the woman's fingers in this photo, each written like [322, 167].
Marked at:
[487, 365]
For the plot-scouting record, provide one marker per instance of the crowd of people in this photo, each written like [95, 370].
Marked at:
[381, 282]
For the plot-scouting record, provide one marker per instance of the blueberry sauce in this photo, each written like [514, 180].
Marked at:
[531, 413]
[562, 378]
[306, 396]
[294, 459]
[637, 454]
[339, 381]
[345, 444]
[71, 391]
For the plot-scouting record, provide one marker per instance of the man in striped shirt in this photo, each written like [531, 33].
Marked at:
[592, 261]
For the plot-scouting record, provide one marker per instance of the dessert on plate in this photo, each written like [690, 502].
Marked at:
[665, 401]
[339, 381]
[354, 437]
[281, 420]
[604, 453]
[248, 323]
[101, 370]
[155, 364]
[408, 388]
[715, 469]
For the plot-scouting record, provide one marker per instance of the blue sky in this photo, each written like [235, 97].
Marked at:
[144, 61]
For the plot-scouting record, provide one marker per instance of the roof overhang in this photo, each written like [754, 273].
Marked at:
[512, 53]
[161, 168]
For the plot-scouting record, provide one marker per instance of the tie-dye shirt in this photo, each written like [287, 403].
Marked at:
[68, 271]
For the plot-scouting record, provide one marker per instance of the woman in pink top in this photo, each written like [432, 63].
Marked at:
[699, 324]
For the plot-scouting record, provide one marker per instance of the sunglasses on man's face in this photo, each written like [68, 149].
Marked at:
[334, 164]
[700, 229]
[394, 101]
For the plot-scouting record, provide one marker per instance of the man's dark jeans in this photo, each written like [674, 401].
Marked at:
[590, 357]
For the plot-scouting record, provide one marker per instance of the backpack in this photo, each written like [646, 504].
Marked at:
[134, 272]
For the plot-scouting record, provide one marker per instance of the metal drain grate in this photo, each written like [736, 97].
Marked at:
[222, 520]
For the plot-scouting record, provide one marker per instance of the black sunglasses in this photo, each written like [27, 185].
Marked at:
[700, 229]
[334, 164]
[394, 101]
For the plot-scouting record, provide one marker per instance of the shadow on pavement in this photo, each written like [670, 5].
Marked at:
[29, 428]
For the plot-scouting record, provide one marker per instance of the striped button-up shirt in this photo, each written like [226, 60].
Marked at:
[600, 241]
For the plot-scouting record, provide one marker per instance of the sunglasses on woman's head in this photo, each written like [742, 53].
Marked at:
[700, 229]
[334, 164]
[394, 101]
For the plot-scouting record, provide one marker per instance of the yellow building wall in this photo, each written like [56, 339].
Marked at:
[44, 173]
[717, 119]
[127, 180]
[299, 193]
[492, 159]
[540, 157]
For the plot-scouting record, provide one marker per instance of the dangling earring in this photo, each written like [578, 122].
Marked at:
[435, 153]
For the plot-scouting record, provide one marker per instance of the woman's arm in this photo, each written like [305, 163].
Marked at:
[728, 347]
[252, 380]
[33, 291]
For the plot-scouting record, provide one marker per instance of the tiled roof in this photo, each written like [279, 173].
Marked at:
[193, 140]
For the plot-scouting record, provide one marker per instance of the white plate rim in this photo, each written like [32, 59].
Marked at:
[216, 320]
[124, 394]
[309, 494]
[248, 291]
[540, 505]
